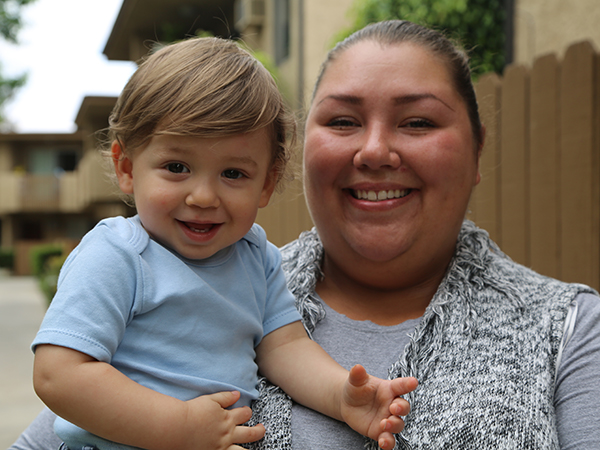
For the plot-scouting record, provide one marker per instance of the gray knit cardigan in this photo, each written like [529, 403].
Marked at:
[484, 352]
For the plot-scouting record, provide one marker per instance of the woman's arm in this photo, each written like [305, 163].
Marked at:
[98, 398]
[578, 384]
[370, 405]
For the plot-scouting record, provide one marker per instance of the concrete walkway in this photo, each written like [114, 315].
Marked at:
[22, 308]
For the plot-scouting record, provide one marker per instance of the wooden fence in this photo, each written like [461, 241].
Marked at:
[286, 216]
[539, 197]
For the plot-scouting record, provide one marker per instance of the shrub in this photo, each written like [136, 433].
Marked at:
[46, 261]
[7, 258]
[40, 254]
[49, 278]
[478, 25]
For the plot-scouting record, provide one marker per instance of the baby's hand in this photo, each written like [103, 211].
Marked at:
[372, 406]
[212, 427]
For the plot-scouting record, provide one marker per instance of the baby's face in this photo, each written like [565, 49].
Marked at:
[196, 195]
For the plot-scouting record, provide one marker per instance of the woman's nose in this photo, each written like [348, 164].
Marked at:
[203, 195]
[377, 150]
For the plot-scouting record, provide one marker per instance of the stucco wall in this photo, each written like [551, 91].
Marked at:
[323, 20]
[550, 26]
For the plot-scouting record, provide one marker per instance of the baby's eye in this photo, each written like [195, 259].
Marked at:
[341, 123]
[232, 174]
[176, 168]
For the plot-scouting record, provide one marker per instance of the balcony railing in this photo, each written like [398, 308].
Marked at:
[68, 192]
[39, 193]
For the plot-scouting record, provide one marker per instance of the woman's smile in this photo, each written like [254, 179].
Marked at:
[377, 196]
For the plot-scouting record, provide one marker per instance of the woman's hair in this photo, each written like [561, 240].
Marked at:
[393, 32]
[204, 87]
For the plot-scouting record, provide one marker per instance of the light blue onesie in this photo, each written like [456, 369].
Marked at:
[181, 327]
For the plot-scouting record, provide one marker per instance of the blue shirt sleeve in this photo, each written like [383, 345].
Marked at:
[98, 288]
[281, 309]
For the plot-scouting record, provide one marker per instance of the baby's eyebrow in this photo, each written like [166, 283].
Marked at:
[351, 99]
[177, 150]
[242, 160]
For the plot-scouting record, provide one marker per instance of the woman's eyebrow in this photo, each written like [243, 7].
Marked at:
[412, 98]
[400, 100]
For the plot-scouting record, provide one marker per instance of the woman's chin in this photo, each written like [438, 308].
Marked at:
[379, 252]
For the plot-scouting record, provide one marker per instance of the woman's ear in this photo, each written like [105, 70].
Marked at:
[479, 150]
[123, 167]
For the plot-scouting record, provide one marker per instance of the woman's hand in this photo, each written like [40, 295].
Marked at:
[372, 406]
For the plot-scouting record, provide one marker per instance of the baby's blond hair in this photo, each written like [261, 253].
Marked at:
[205, 87]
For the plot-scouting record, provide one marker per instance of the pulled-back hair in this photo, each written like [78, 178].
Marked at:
[204, 87]
[393, 32]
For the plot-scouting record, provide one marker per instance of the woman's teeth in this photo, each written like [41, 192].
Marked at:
[375, 196]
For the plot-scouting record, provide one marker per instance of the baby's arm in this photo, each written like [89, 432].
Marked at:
[370, 405]
[98, 398]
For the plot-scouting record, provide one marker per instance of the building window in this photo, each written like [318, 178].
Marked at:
[67, 160]
[44, 161]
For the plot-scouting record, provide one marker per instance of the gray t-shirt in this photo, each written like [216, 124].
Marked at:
[377, 347]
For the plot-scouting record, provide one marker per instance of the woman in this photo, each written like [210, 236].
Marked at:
[392, 146]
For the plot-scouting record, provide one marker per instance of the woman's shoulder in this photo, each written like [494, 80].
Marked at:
[587, 310]
[482, 259]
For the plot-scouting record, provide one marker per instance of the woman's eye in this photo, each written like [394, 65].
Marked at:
[176, 168]
[419, 123]
[232, 174]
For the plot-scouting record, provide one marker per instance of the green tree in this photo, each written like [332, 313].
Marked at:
[477, 25]
[10, 24]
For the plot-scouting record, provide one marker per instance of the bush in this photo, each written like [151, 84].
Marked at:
[46, 261]
[40, 254]
[49, 278]
[478, 25]
[7, 258]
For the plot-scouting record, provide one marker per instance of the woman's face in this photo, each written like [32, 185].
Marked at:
[389, 158]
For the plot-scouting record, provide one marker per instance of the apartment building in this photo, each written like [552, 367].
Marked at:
[53, 187]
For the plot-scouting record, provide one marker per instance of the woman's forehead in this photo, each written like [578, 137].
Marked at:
[368, 68]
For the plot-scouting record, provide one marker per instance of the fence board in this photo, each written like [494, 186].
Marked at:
[485, 202]
[515, 163]
[579, 178]
[544, 186]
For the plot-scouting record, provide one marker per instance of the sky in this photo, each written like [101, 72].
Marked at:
[60, 48]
